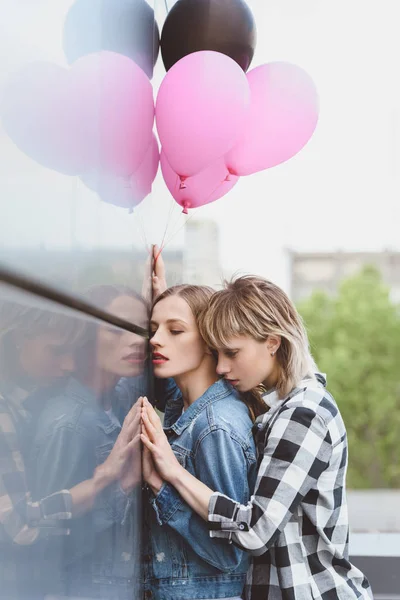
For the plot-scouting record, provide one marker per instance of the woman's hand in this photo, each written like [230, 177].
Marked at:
[155, 440]
[150, 473]
[159, 281]
[119, 461]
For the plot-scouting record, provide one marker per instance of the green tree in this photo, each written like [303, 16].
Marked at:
[355, 339]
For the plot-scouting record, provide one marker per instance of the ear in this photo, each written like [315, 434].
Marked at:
[273, 343]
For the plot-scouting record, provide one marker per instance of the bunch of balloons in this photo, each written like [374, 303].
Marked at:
[216, 120]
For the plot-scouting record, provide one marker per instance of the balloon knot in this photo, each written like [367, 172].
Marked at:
[183, 186]
[228, 177]
[185, 205]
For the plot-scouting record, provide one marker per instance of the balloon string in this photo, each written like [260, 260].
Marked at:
[141, 229]
[171, 210]
[166, 6]
[181, 227]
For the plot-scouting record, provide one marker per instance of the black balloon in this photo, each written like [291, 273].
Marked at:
[225, 26]
[124, 26]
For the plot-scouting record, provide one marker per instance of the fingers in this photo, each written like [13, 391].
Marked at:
[152, 415]
[148, 428]
[147, 443]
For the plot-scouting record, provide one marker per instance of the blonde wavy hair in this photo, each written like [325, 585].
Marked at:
[258, 308]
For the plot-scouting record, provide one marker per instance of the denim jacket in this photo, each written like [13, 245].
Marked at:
[72, 435]
[212, 439]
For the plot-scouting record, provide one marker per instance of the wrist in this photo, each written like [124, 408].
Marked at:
[102, 478]
[155, 484]
[176, 475]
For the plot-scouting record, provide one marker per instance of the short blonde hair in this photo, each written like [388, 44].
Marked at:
[258, 308]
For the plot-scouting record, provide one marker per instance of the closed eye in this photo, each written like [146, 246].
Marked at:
[175, 331]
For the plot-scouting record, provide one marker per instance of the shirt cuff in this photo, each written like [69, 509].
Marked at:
[224, 517]
[165, 503]
[55, 506]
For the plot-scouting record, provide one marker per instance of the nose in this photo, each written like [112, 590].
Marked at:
[155, 339]
[67, 363]
[133, 339]
[223, 367]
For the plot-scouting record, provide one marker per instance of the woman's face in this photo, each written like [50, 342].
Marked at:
[246, 362]
[120, 352]
[177, 345]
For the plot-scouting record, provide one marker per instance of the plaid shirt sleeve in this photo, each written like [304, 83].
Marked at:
[297, 451]
[21, 520]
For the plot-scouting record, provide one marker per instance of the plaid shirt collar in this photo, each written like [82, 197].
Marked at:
[271, 398]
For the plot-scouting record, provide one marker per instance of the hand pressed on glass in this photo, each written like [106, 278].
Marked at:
[156, 442]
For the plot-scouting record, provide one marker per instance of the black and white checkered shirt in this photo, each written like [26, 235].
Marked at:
[296, 523]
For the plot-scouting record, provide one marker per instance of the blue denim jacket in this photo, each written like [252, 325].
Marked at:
[212, 439]
[72, 436]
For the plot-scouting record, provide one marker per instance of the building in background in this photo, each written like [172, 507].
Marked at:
[310, 271]
[201, 262]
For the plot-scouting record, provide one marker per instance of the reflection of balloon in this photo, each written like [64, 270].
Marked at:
[204, 187]
[124, 26]
[225, 26]
[201, 110]
[117, 104]
[283, 117]
[42, 118]
[126, 191]
[143, 178]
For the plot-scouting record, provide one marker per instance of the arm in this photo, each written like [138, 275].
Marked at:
[221, 464]
[66, 460]
[297, 452]
[20, 517]
[24, 521]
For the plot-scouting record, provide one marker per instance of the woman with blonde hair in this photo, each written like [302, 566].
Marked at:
[296, 523]
[209, 434]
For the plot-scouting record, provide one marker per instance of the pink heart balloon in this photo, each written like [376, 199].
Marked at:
[207, 186]
[42, 117]
[118, 109]
[282, 118]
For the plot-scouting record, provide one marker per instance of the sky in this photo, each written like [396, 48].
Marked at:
[340, 192]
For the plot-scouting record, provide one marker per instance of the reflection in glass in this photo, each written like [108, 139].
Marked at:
[66, 386]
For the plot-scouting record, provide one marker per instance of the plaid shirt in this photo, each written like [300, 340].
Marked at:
[22, 521]
[296, 523]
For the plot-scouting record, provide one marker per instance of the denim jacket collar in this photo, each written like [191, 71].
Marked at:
[178, 422]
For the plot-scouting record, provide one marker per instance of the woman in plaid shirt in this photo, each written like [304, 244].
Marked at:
[296, 523]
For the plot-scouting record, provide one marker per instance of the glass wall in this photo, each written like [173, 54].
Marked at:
[74, 299]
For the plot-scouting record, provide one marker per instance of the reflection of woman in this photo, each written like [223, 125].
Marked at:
[209, 429]
[75, 431]
[36, 356]
[295, 524]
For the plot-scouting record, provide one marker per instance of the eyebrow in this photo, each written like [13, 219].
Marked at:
[170, 321]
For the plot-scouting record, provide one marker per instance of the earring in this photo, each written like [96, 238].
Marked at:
[273, 353]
